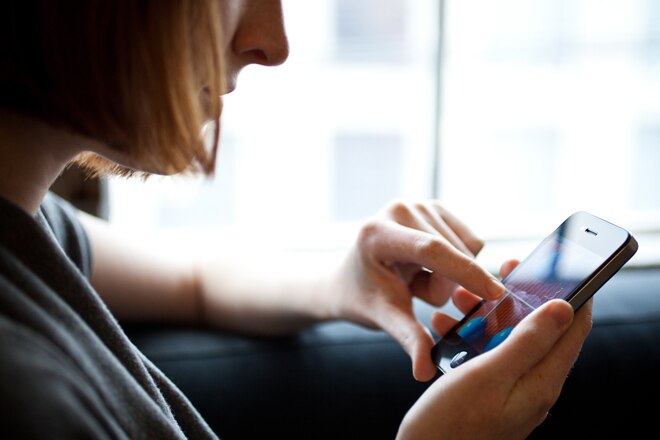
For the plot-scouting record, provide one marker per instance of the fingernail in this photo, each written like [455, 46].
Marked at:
[495, 288]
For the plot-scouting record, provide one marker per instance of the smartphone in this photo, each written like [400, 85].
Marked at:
[571, 263]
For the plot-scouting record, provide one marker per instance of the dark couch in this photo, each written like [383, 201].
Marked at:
[340, 381]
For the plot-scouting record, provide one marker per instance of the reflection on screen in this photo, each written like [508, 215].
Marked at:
[554, 270]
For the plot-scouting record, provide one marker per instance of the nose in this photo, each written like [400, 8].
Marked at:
[261, 37]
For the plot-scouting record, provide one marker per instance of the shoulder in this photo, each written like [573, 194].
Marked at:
[62, 219]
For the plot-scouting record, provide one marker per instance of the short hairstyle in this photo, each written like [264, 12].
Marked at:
[141, 76]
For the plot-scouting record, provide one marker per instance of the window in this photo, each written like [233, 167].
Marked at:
[549, 107]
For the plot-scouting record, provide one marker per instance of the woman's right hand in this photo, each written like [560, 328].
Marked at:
[507, 392]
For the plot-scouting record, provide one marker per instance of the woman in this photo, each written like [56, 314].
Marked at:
[125, 87]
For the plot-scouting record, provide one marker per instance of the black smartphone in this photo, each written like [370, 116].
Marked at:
[571, 263]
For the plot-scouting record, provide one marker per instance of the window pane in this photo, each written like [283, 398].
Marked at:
[550, 107]
[366, 174]
[370, 30]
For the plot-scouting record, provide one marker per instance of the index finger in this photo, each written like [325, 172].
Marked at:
[435, 253]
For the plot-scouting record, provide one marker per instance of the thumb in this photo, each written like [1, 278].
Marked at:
[533, 338]
[414, 338]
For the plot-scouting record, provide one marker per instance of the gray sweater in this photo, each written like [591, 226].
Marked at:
[67, 370]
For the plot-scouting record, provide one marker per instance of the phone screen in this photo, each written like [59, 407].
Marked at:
[554, 270]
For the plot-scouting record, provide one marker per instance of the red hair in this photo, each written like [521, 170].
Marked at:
[140, 76]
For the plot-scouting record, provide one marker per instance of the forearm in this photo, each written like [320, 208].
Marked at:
[267, 293]
[204, 279]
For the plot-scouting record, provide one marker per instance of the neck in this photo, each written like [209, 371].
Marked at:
[32, 155]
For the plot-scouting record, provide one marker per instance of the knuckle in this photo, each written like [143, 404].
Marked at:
[398, 208]
[368, 233]
[470, 267]
[437, 248]
[429, 245]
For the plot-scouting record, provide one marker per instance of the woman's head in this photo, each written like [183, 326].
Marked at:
[140, 76]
